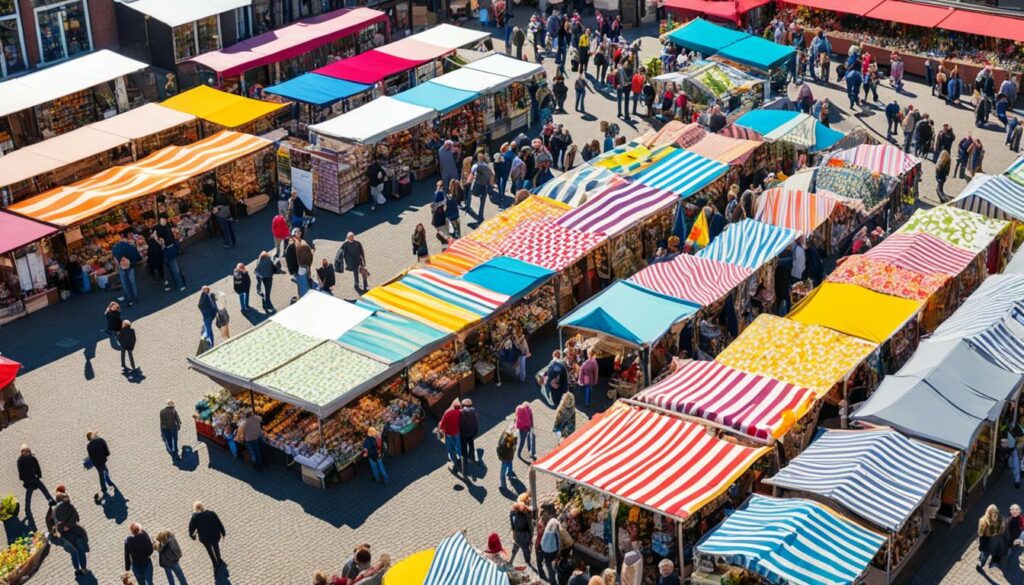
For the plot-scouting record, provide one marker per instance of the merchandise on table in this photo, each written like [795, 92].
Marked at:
[585, 514]
[433, 376]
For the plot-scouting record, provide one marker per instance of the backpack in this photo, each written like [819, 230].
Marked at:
[520, 522]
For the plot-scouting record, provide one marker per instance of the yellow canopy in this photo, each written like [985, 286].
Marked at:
[409, 302]
[219, 107]
[855, 310]
[412, 570]
[494, 231]
[805, 355]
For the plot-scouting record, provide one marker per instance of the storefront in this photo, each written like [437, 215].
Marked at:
[26, 282]
[220, 110]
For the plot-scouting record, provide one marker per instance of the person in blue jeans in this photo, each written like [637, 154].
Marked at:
[98, 453]
[373, 450]
[506, 454]
[127, 255]
[62, 524]
[138, 553]
[208, 309]
[252, 434]
[242, 283]
[450, 425]
[171, 252]
[168, 553]
[170, 423]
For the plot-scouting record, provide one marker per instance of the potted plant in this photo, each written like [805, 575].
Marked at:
[9, 508]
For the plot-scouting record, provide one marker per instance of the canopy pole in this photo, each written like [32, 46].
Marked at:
[682, 548]
[845, 410]
[888, 562]
[614, 548]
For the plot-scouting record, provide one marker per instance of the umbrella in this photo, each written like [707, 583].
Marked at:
[411, 570]
[8, 371]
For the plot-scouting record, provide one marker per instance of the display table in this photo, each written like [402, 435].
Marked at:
[440, 402]
[315, 468]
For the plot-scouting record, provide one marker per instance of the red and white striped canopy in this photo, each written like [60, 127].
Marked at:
[618, 208]
[922, 253]
[549, 245]
[751, 404]
[692, 278]
[658, 461]
[879, 158]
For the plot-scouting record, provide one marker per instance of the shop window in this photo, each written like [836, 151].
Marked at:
[196, 38]
[11, 46]
[62, 28]
[208, 34]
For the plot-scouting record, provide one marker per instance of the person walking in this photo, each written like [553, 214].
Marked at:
[242, 284]
[155, 260]
[112, 316]
[62, 523]
[98, 451]
[452, 200]
[556, 378]
[524, 426]
[126, 256]
[962, 151]
[373, 451]
[252, 434]
[264, 273]
[31, 476]
[325, 277]
[355, 260]
[522, 345]
[910, 120]
[637, 88]
[518, 40]
[521, 521]
[304, 257]
[892, 118]
[419, 243]
[624, 85]
[451, 426]
[207, 527]
[853, 83]
[481, 178]
[922, 136]
[168, 554]
[170, 424]
[588, 376]
[377, 176]
[941, 173]
[565, 416]
[944, 141]
[171, 251]
[438, 219]
[126, 340]
[582, 86]
[976, 154]
[208, 309]
[991, 542]
[1014, 527]
[279, 229]
[469, 427]
[138, 553]
[446, 161]
[550, 545]
[506, 455]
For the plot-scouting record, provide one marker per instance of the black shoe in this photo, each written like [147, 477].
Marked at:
[79, 572]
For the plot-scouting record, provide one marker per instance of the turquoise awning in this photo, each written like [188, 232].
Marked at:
[630, 312]
[704, 37]
[318, 90]
[437, 97]
[758, 53]
[391, 338]
[508, 276]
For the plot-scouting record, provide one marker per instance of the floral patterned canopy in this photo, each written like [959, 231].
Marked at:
[887, 278]
[961, 228]
[854, 182]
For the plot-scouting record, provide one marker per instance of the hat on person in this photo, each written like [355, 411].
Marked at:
[61, 489]
[494, 544]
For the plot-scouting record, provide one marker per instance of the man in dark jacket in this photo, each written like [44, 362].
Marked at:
[126, 339]
[242, 284]
[469, 428]
[138, 552]
[63, 522]
[325, 276]
[207, 526]
[126, 256]
[355, 259]
[170, 422]
[98, 453]
[944, 141]
[31, 476]
[208, 309]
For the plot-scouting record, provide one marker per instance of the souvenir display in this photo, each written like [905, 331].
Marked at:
[586, 515]
[531, 313]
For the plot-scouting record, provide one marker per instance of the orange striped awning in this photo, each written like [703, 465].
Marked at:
[86, 199]
[462, 256]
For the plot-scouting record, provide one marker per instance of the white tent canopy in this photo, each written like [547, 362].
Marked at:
[67, 78]
[468, 79]
[181, 12]
[450, 37]
[374, 121]
[321, 316]
[506, 67]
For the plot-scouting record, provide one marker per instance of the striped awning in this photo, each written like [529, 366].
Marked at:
[456, 562]
[890, 279]
[796, 210]
[657, 461]
[675, 133]
[618, 208]
[879, 158]
[993, 196]
[455, 290]
[631, 158]
[796, 542]
[390, 337]
[749, 243]
[880, 475]
[415, 304]
[165, 168]
[495, 230]
[682, 172]
[549, 245]
[725, 149]
[1016, 171]
[923, 253]
[692, 278]
[462, 256]
[572, 188]
[964, 229]
[751, 404]
[992, 321]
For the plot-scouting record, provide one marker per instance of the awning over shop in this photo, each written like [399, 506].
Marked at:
[549, 245]
[318, 90]
[455, 290]
[879, 158]
[1015, 172]
[390, 337]
[890, 279]
[993, 196]
[991, 320]
[758, 53]
[631, 158]
[922, 253]
[472, 80]
[369, 67]
[692, 278]
[54, 153]
[287, 42]
[143, 121]
[8, 371]
[450, 36]
[435, 96]
[796, 128]
[463, 255]
[411, 569]
[618, 208]
[880, 475]
[964, 229]
[749, 243]
[63, 79]
[686, 466]
[985, 25]
[723, 9]
[944, 394]
[682, 172]
[858, 7]
[793, 541]
[372, 122]
[796, 210]
[852, 182]
[413, 49]
[456, 562]
[16, 231]
[704, 37]
[165, 168]
[753, 405]
[730, 151]
[912, 13]
[508, 67]
[804, 355]
[497, 229]
[220, 107]
[255, 352]
[400, 298]
[321, 316]
[629, 312]
[508, 276]
[184, 11]
[1015, 265]
[675, 133]
[573, 187]
[855, 310]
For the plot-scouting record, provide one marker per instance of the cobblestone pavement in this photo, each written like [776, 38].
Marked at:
[280, 530]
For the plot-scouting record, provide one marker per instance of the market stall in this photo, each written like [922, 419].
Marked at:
[151, 127]
[991, 238]
[391, 338]
[12, 405]
[986, 321]
[508, 110]
[220, 110]
[859, 470]
[463, 255]
[1015, 172]
[455, 551]
[772, 539]
[685, 174]
[631, 157]
[317, 98]
[995, 196]
[704, 37]
[791, 136]
[936, 290]
[710, 83]
[925, 254]
[574, 187]
[693, 476]
[26, 282]
[495, 230]
[393, 73]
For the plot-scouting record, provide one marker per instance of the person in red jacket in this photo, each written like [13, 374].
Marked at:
[450, 425]
[637, 88]
[279, 227]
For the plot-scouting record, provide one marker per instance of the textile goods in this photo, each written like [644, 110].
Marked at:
[461, 256]
[549, 245]
[923, 253]
[692, 278]
[961, 228]
[390, 337]
[796, 210]
[880, 475]
[508, 276]
[220, 107]
[793, 541]
[400, 298]
[682, 172]
[882, 277]
[809, 356]
[993, 196]
[878, 158]
[657, 461]
[856, 311]
[86, 199]
[456, 562]
[16, 232]
[497, 229]
[1015, 172]
[321, 316]
[730, 151]
[629, 312]
[749, 243]
[853, 182]
[455, 290]
[573, 188]
[751, 404]
[618, 208]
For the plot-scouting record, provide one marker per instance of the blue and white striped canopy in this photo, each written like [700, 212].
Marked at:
[458, 563]
[995, 196]
[880, 475]
[793, 542]
[749, 243]
[391, 338]
[682, 172]
[990, 320]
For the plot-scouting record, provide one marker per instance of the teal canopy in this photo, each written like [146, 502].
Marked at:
[318, 90]
[390, 337]
[508, 276]
[437, 97]
[630, 312]
[704, 37]
[757, 53]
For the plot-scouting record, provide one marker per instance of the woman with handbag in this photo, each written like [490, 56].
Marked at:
[169, 556]
[419, 243]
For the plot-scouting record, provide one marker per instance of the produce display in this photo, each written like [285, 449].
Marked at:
[652, 534]
[258, 350]
[531, 314]
[437, 371]
[17, 559]
[322, 374]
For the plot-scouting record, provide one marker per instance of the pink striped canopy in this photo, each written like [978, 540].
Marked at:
[618, 208]
[549, 245]
[879, 158]
[657, 461]
[922, 253]
[751, 404]
[691, 278]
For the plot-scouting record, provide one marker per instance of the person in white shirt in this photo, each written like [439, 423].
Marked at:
[799, 261]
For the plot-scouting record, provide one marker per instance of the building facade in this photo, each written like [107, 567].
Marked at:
[35, 33]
